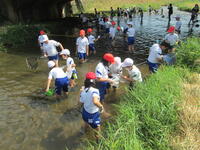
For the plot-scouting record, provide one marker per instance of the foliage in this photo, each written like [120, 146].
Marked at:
[186, 5]
[147, 115]
[16, 35]
[188, 54]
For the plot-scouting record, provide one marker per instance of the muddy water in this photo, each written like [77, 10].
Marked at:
[30, 121]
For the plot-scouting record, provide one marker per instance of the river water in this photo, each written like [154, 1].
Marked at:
[31, 121]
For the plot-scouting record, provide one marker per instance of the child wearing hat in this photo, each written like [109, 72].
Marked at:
[82, 46]
[60, 77]
[70, 65]
[134, 73]
[49, 49]
[178, 24]
[131, 37]
[102, 71]
[172, 38]
[91, 40]
[92, 107]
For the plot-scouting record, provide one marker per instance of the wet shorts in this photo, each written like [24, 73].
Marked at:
[153, 67]
[91, 47]
[93, 120]
[102, 86]
[107, 30]
[53, 57]
[61, 84]
[131, 40]
[82, 56]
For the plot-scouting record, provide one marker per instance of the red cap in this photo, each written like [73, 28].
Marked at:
[118, 28]
[171, 29]
[109, 57]
[82, 32]
[42, 32]
[106, 19]
[90, 75]
[113, 23]
[89, 30]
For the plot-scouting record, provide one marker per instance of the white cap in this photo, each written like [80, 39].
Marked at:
[51, 64]
[118, 60]
[127, 62]
[130, 23]
[44, 38]
[65, 52]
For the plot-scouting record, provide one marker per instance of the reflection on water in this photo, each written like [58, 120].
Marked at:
[31, 121]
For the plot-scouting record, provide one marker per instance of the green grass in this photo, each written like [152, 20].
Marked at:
[188, 54]
[186, 5]
[104, 5]
[147, 115]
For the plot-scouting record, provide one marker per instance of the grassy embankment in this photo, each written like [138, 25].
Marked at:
[161, 113]
[104, 5]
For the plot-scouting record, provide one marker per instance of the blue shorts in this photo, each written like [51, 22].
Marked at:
[93, 120]
[91, 47]
[107, 30]
[53, 57]
[131, 40]
[102, 86]
[82, 56]
[61, 84]
[153, 67]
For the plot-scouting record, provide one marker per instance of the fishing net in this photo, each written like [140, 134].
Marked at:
[32, 63]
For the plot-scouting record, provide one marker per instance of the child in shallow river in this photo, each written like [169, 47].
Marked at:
[71, 71]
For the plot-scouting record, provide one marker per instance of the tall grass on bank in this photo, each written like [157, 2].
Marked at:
[188, 54]
[146, 116]
[186, 5]
[104, 5]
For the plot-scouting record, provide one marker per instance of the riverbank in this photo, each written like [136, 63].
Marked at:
[161, 113]
[104, 5]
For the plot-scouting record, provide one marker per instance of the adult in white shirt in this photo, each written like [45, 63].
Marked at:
[155, 55]
[70, 65]
[102, 72]
[131, 37]
[92, 106]
[60, 77]
[49, 49]
[82, 48]
[171, 38]
[135, 75]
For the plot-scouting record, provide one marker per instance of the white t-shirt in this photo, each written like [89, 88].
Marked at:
[86, 97]
[112, 32]
[50, 47]
[172, 39]
[178, 25]
[115, 69]
[155, 52]
[91, 39]
[107, 24]
[82, 43]
[135, 74]
[56, 73]
[131, 32]
[70, 69]
[101, 71]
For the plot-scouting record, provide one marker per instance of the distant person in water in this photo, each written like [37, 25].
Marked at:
[131, 37]
[82, 46]
[91, 40]
[194, 14]
[170, 11]
[178, 24]
[150, 9]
